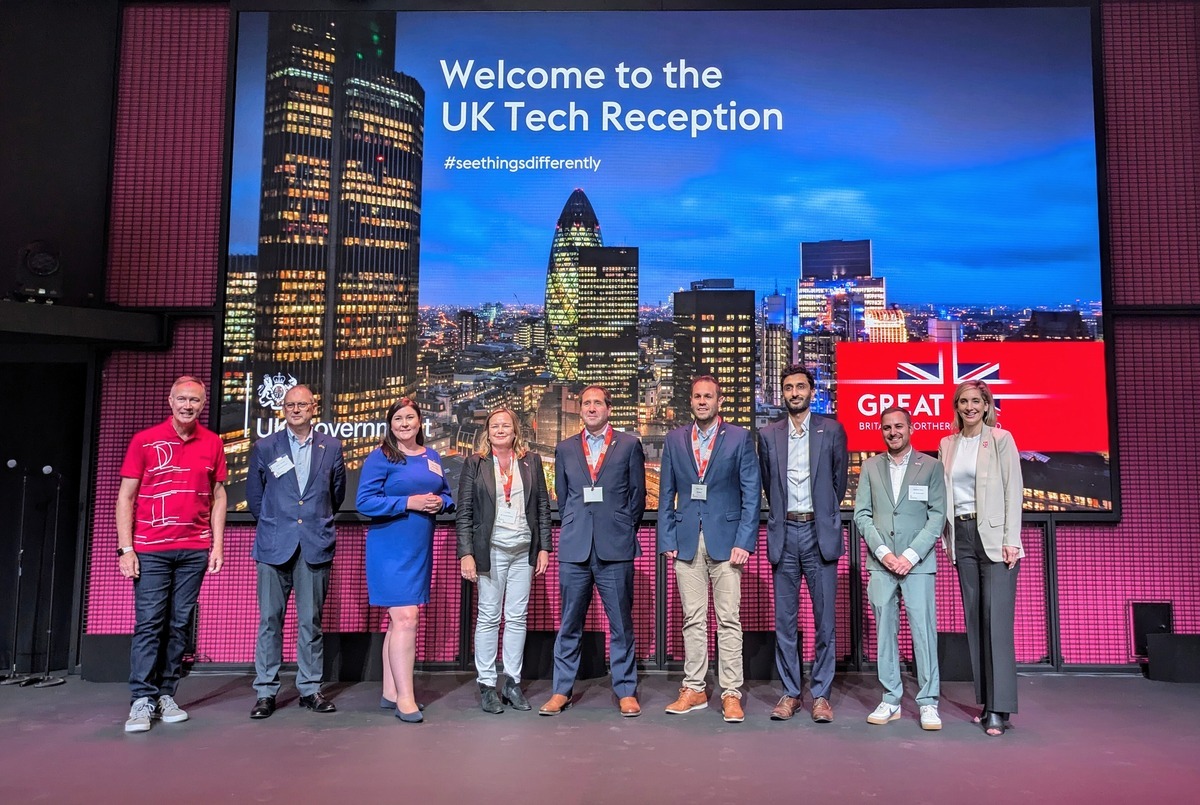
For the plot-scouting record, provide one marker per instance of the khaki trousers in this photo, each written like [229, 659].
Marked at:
[693, 579]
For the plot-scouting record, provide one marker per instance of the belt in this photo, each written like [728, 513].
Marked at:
[962, 517]
[801, 517]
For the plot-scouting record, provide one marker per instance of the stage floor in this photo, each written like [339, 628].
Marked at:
[1093, 739]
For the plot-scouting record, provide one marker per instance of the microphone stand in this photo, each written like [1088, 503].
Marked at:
[46, 680]
[13, 678]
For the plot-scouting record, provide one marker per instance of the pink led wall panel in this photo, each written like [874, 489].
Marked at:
[1152, 128]
[1151, 555]
[165, 217]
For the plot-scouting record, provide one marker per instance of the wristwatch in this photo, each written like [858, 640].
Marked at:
[122, 551]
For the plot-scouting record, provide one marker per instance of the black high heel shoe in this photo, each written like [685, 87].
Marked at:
[996, 722]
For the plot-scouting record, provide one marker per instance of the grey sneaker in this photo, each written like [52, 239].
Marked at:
[169, 711]
[139, 715]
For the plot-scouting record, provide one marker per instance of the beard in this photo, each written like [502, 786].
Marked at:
[797, 408]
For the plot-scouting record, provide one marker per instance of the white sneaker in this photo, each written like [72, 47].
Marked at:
[884, 713]
[139, 715]
[169, 711]
[930, 720]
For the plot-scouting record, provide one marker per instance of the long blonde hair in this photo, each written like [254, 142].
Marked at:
[520, 447]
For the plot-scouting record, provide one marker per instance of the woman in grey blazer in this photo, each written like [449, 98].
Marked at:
[503, 527]
[983, 539]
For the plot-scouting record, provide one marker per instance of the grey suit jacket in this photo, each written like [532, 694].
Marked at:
[905, 523]
[828, 463]
[287, 515]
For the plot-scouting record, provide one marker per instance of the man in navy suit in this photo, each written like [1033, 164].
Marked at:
[600, 480]
[297, 480]
[804, 466]
[708, 504]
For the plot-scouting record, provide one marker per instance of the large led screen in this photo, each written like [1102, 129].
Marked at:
[481, 209]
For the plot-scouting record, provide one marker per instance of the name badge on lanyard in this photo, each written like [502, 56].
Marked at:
[593, 494]
[703, 456]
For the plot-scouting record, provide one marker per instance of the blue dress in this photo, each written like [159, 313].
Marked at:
[399, 541]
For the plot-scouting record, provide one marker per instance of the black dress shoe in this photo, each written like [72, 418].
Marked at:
[317, 703]
[263, 707]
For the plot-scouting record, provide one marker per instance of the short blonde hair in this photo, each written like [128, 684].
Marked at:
[520, 447]
[989, 416]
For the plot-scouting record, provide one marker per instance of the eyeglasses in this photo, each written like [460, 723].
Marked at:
[297, 406]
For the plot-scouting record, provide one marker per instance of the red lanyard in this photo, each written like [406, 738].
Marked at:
[702, 460]
[507, 478]
[595, 470]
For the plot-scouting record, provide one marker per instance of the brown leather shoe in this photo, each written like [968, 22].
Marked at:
[688, 701]
[822, 711]
[731, 706]
[630, 707]
[787, 707]
[556, 705]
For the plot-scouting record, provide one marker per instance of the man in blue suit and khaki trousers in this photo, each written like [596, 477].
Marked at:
[600, 480]
[708, 504]
[804, 469]
[900, 508]
[297, 480]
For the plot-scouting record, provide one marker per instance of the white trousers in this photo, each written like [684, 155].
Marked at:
[503, 590]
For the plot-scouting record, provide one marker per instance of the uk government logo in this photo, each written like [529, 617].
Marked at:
[274, 388]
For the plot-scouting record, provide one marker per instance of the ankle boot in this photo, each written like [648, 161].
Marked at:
[490, 699]
[513, 696]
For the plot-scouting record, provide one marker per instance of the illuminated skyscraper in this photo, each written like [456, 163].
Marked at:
[608, 339]
[835, 259]
[577, 227]
[774, 346]
[339, 233]
[468, 329]
[885, 325]
[714, 335]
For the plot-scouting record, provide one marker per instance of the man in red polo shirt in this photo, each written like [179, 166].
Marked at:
[170, 529]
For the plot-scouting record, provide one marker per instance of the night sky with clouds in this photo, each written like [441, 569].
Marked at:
[961, 142]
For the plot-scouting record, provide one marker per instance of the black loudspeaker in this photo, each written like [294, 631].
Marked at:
[39, 273]
[1174, 657]
[954, 657]
[353, 656]
[1149, 618]
[539, 655]
[758, 655]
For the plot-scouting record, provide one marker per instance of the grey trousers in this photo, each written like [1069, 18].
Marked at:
[884, 591]
[275, 585]
[989, 594]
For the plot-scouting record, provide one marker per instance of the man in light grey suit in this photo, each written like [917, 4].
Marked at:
[804, 467]
[900, 508]
[297, 480]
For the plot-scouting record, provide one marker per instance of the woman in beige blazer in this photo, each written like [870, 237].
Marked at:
[983, 540]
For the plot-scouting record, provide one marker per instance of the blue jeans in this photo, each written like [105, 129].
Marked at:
[169, 582]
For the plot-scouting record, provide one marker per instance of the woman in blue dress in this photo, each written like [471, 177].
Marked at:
[402, 489]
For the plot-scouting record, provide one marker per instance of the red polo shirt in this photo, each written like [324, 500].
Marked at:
[175, 487]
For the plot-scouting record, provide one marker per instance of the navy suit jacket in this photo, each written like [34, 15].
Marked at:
[828, 463]
[729, 514]
[287, 515]
[610, 527]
